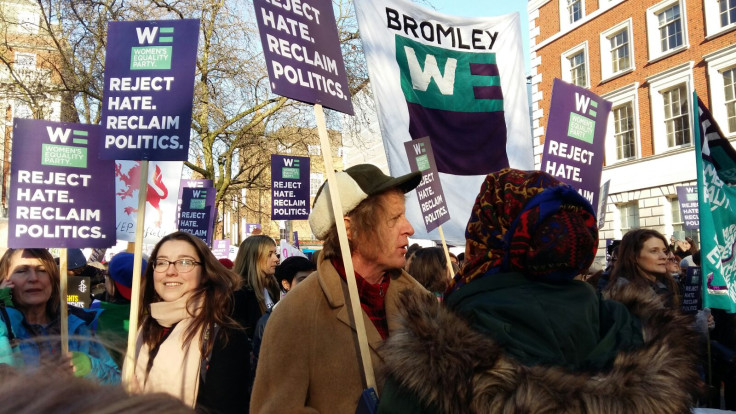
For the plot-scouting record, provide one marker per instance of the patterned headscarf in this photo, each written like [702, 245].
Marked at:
[528, 221]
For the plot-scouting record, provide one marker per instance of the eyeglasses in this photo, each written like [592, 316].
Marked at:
[181, 265]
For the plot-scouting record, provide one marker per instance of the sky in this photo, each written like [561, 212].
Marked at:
[479, 8]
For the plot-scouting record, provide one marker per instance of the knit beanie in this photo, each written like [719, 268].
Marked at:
[120, 270]
[530, 222]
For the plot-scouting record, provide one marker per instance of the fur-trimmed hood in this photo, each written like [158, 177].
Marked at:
[439, 358]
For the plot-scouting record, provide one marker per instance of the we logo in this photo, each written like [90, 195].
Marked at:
[581, 126]
[291, 169]
[58, 154]
[454, 98]
[152, 57]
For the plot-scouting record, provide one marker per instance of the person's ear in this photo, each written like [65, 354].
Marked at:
[286, 285]
[347, 228]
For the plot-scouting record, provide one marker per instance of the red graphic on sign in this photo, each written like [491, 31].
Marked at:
[154, 195]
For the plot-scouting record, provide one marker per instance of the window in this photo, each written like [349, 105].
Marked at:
[24, 61]
[28, 22]
[622, 136]
[676, 117]
[727, 12]
[617, 50]
[574, 10]
[314, 150]
[670, 28]
[623, 121]
[571, 14]
[629, 216]
[283, 149]
[22, 110]
[577, 69]
[720, 16]
[669, 93]
[729, 90]
[721, 67]
[666, 28]
[574, 65]
[315, 182]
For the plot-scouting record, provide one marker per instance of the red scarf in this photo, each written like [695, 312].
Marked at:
[372, 298]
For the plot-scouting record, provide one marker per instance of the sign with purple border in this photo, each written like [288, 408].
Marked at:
[149, 86]
[221, 248]
[429, 191]
[302, 51]
[191, 183]
[688, 199]
[289, 187]
[197, 205]
[573, 145]
[250, 228]
[692, 290]
[61, 194]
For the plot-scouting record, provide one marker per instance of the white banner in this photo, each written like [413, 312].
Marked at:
[459, 81]
[162, 197]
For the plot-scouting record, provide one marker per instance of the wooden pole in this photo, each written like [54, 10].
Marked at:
[357, 311]
[447, 252]
[63, 282]
[135, 289]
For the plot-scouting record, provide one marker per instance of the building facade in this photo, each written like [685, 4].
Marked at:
[646, 57]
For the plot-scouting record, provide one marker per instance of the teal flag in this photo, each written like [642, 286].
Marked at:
[716, 166]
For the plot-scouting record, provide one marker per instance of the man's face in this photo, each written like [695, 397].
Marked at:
[394, 230]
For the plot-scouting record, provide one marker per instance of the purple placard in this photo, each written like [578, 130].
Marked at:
[573, 145]
[149, 86]
[61, 194]
[289, 187]
[221, 248]
[250, 228]
[429, 191]
[191, 183]
[602, 203]
[302, 51]
[196, 216]
[688, 199]
[296, 239]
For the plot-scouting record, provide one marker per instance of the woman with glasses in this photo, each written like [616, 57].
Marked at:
[642, 264]
[190, 342]
[256, 262]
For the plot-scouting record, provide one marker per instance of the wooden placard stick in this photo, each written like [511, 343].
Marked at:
[447, 251]
[63, 283]
[357, 311]
[135, 289]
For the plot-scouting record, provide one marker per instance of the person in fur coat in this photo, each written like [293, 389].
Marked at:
[517, 334]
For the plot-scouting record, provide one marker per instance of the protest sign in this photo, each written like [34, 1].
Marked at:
[221, 248]
[296, 239]
[252, 228]
[164, 179]
[287, 250]
[692, 299]
[149, 86]
[429, 191]
[575, 138]
[196, 217]
[191, 183]
[716, 167]
[459, 81]
[289, 187]
[302, 51]
[687, 196]
[79, 292]
[61, 194]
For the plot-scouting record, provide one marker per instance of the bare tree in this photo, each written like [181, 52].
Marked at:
[237, 122]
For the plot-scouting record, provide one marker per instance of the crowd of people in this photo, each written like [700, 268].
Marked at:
[520, 322]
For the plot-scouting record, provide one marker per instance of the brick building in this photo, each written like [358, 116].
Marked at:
[646, 57]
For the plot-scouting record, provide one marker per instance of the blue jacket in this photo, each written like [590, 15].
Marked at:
[6, 352]
[103, 369]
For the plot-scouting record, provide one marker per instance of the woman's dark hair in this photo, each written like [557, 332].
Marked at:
[215, 291]
[53, 304]
[627, 265]
[429, 267]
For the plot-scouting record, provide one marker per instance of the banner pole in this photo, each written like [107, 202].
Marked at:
[447, 251]
[357, 311]
[135, 290]
[63, 282]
